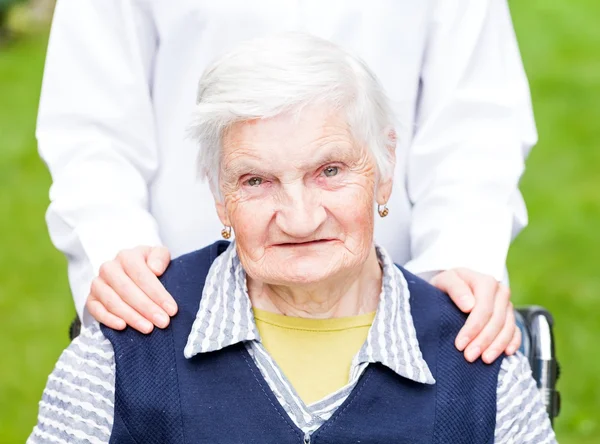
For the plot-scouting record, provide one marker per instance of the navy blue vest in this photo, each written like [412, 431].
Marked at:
[221, 397]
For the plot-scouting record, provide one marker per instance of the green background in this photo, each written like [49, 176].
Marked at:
[554, 262]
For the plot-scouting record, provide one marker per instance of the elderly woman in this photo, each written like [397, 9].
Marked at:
[302, 330]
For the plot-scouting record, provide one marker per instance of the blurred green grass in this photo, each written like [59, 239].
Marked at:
[35, 310]
[554, 262]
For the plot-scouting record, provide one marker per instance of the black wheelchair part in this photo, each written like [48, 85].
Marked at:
[536, 325]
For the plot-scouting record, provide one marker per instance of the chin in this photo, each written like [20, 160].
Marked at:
[305, 269]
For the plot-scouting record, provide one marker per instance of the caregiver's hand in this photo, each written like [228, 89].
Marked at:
[128, 292]
[490, 327]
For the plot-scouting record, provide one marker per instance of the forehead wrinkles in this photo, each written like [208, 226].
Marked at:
[290, 143]
[238, 155]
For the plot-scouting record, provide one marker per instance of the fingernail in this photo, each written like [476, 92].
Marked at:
[160, 320]
[467, 302]
[489, 356]
[510, 350]
[156, 265]
[144, 326]
[170, 308]
[473, 354]
[462, 342]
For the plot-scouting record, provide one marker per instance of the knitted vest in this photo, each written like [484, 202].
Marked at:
[221, 397]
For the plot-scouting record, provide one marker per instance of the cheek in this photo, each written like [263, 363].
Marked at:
[250, 221]
[352, 205]
[352, 208]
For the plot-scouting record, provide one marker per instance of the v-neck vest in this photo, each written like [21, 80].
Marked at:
[221, 397]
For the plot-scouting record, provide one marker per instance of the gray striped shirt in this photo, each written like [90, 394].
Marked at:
[78, 402]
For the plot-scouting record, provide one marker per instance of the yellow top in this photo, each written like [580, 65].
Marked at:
[314, 354]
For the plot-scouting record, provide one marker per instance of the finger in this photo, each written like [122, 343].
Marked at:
[484, 290]
[158, 259]
[515, 342]
[144, 278]
[100, 314]
[503, 339]
[492, 328]
[131, 295]
[458, 290]
[113, 304]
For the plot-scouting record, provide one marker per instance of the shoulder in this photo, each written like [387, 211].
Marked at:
[521, 415]
[184, 280]
[419, 286]
[424, 296]
[188, 272]
[437, 322]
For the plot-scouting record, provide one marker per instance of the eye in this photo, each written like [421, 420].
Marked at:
[331, 171]
[254, 181]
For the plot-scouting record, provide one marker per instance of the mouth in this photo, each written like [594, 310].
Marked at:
[312, 243]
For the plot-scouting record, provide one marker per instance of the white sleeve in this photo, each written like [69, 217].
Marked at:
[474, 130]
[96, 133]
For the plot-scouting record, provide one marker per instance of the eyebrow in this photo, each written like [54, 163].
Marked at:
[251, 166]
[237, 168]
[335, 154]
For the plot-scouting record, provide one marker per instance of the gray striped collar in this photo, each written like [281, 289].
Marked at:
[225, 318]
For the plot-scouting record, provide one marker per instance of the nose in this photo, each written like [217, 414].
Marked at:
[300, 212]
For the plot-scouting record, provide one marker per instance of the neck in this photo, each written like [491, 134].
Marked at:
[354, 293]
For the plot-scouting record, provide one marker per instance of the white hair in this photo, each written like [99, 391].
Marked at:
[270, 76]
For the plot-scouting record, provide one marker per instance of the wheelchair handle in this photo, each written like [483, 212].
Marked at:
[544, 364]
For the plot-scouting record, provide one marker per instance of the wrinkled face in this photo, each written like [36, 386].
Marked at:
[300, 195]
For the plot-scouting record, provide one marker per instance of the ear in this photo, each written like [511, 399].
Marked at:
[384, 188]
[222, 212]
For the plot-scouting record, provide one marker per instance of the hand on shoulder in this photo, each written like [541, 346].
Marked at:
[490, 328]
[127, 291]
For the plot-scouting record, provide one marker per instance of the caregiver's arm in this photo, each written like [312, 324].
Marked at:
[474, 130]
[96, 134]
[77, 405]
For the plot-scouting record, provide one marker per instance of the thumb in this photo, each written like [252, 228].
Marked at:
[158, 259]
[458, 290]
